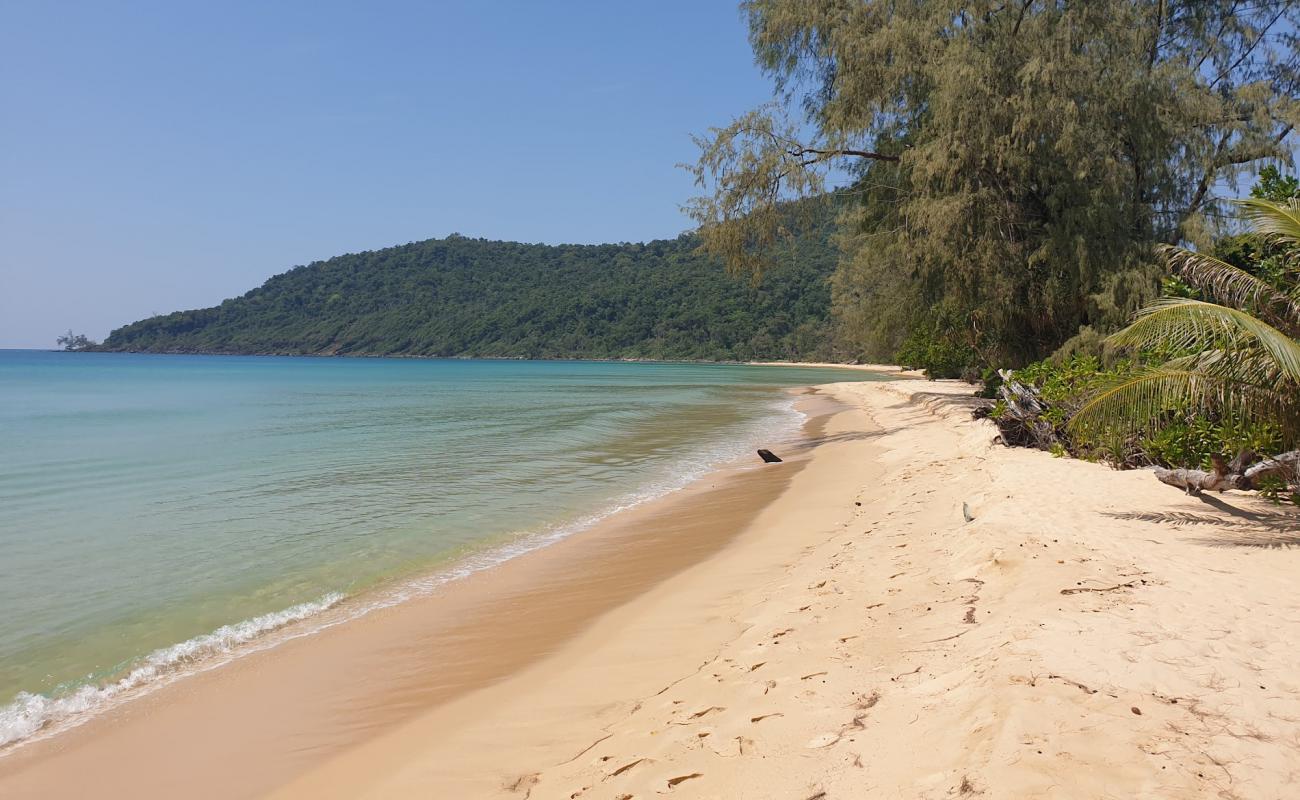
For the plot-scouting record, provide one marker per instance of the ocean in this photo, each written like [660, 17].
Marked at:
[160, 514]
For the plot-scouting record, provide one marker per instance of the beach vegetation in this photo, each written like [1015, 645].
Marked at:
[934, 344]
[1014, 166]
[1211, 377]
[1233, 350]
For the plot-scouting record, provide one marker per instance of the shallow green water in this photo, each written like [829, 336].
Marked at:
[155, 510]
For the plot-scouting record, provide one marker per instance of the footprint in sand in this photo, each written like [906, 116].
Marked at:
[673, 782]
[706, 712]
[525, 784]
[626, 767]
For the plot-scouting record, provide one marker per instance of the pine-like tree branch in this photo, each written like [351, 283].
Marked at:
[800, 152]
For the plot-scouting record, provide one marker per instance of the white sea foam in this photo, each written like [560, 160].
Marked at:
[30, 717]
[30, 714]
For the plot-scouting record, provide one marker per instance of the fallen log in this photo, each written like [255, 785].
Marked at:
[1285, 466]
[1240, 474]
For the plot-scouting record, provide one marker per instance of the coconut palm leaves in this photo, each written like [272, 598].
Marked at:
[1238, 355]
[1272, 220]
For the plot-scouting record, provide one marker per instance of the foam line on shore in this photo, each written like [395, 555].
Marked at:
[30, 714]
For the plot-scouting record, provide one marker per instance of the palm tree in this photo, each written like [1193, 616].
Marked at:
[1236, 353]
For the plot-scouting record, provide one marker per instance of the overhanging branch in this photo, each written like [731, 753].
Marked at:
[800, 152]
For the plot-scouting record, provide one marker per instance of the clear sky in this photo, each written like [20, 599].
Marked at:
[162, 155]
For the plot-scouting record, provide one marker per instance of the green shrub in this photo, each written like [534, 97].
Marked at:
[933, 347]
[990, 381]
[1183, 438]
[1065, 385]
[1190, 441]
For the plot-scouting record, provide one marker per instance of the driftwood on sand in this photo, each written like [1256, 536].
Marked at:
[1022, 423]
[1246, 471]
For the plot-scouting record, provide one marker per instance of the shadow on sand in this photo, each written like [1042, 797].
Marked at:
[968, 402]
[1246, 522]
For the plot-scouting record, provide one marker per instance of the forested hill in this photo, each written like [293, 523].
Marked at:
[472, 297]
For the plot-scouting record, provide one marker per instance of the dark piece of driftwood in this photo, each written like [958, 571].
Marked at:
[1243, 472]
[769, 457]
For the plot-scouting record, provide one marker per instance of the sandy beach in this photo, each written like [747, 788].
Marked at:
[901, 609]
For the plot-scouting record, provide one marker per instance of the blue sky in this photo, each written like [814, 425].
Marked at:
[158, 156]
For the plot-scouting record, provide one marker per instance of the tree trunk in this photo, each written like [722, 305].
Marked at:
[1240, 474]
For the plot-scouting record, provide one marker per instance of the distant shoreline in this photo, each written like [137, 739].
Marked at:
[878, 368]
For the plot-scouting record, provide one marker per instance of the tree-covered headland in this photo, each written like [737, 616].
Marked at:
[462, 297]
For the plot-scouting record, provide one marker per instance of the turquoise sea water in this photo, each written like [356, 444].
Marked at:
[159, 511]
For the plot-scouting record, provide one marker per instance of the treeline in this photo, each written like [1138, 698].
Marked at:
[462, 297]
[1014, 167]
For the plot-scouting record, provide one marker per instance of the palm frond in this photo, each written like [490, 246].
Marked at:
[1273, 220]
[1233, 286]
[1238, 360]
[1137, 402]
[1184, 324]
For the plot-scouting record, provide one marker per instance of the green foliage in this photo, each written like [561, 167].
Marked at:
[1174, 286]
[1183, 437]
[935, 347]
[1234, 359]
[1066, 384]
[1275, 186]
[1016, 162]
[472, 297]
[1190, 440]
[1217, 370]
[1267, 260]
[990, 382]
[1087, 342]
